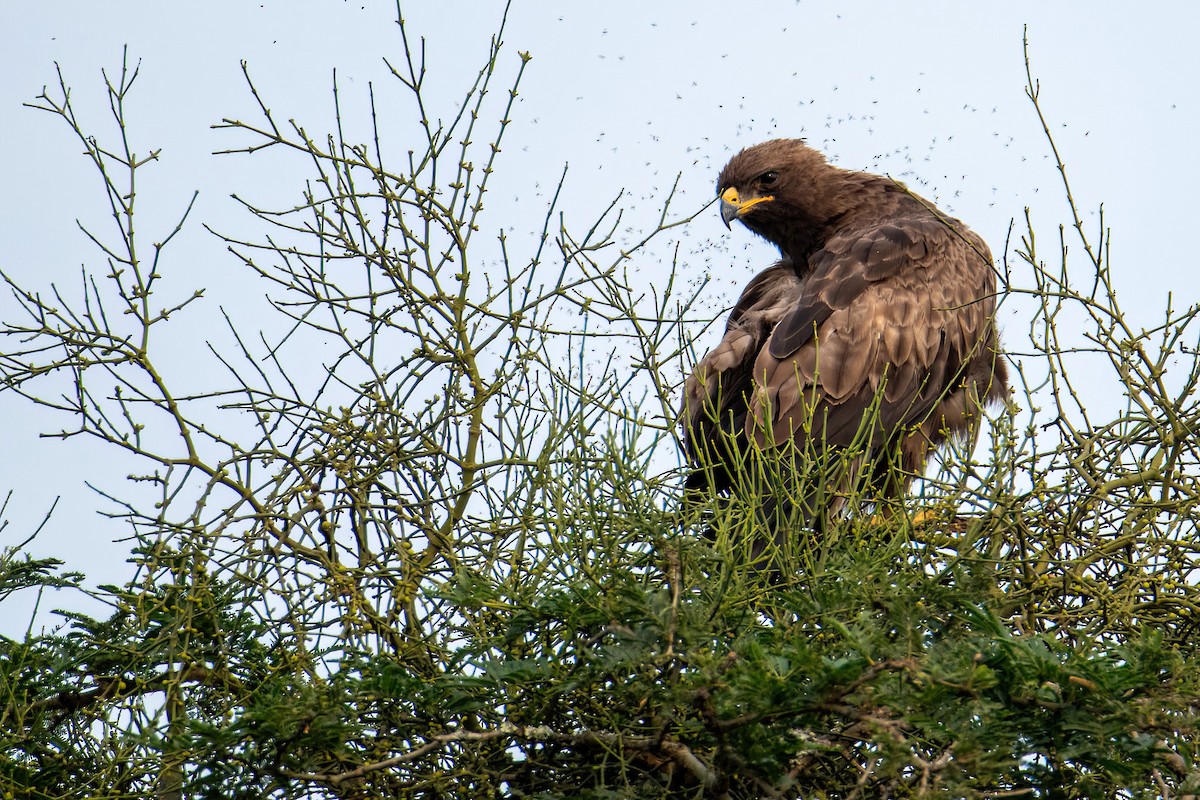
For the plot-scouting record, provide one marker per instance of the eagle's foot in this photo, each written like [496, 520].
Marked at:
[926, 517]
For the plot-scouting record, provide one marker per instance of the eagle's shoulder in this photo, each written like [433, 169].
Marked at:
[904, 253]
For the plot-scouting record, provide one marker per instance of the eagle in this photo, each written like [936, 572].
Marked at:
[871, 342]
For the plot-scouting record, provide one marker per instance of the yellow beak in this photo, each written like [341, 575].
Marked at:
[732, 206]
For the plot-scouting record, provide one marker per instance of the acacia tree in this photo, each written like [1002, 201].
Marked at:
[450, 561]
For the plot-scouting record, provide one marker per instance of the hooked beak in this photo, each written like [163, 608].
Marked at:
[732, 206]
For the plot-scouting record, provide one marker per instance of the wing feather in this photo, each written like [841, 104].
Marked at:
[715, 394]
[899, 306]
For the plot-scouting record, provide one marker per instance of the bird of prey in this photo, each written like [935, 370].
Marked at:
[870, 342]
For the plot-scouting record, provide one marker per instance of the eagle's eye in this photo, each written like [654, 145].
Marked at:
[767, 178]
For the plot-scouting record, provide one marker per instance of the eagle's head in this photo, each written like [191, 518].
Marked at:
[779, 190]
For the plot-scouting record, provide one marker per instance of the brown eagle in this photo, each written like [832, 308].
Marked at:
[872, 340]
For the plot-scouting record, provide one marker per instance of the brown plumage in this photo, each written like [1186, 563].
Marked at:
[873, 336]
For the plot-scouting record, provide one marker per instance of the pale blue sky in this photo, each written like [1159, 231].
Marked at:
[630, 93]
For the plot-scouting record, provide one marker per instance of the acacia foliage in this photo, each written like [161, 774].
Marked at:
[453, 560]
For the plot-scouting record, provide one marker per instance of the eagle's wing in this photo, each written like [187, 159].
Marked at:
[903, 305]
[716, 393]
